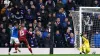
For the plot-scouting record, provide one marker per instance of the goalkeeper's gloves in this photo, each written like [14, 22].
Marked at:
[81, 34]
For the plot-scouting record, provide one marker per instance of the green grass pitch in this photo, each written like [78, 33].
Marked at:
[57, 55]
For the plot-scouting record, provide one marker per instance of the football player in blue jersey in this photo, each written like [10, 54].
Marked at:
[14, 38]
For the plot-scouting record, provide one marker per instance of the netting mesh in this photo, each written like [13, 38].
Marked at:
[75, 17]
[91, 26]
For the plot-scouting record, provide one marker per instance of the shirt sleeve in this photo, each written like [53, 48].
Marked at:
[84, 39]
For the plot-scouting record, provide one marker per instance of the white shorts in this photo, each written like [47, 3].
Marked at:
[14, 40]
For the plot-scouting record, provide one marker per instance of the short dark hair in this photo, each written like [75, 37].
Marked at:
[15, 23]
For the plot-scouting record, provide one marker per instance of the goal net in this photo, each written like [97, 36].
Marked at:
[89, 18]
[75, 18]
[86, 20]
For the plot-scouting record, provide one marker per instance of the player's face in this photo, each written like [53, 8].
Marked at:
[85, 35]
[16, 25]
[21, 28]
[10, 26]
[23, 25]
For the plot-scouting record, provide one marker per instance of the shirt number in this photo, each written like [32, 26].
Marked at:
[21, 33]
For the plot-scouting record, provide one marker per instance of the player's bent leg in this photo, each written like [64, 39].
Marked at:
[80, 49]
[87, 50]
[11, 44]
[16, 48]
[16, 45]
[26, 42]
[10, 47]
[84, 49]
[29, 48]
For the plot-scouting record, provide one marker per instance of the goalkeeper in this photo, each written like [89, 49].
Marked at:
[85, 48]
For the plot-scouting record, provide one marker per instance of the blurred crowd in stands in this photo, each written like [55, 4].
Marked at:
[39, 16]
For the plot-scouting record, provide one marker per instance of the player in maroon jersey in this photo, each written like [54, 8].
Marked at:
[22, 36]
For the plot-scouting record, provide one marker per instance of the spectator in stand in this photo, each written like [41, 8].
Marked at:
[67, 34]
[26, 8]
[18, 16]
[1, 27]
[50, 18]
[47, 41]
[15, 1]
[22, 12]
[96, 4]
[8, 12]
[38, 16]
[38, 35]
[55, 1]
[36, 29]
[4, 38]
[35, 2]
[30, 26]
[70, 26]
[39, 5]
[32, 7]
[57, 25]
[59, 5]
[15, 9]
[34, 24]
[22, 5]
[1, 4]
[44, 15]
[40, 28]
[29, 17]
[22, 8]
[31, 3]
[44, 36]
[70, 5]
[64, 2]
[70, 40]
[88, 27]
[3, 10]
[57, 39]
[54, 17]
[5, 21]
[70, 19]
[11, 5]
[96, 25]
[33, 41]
[61, 15]
[50, 5]
[96, 40]
[65, 24]
[30, 32]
